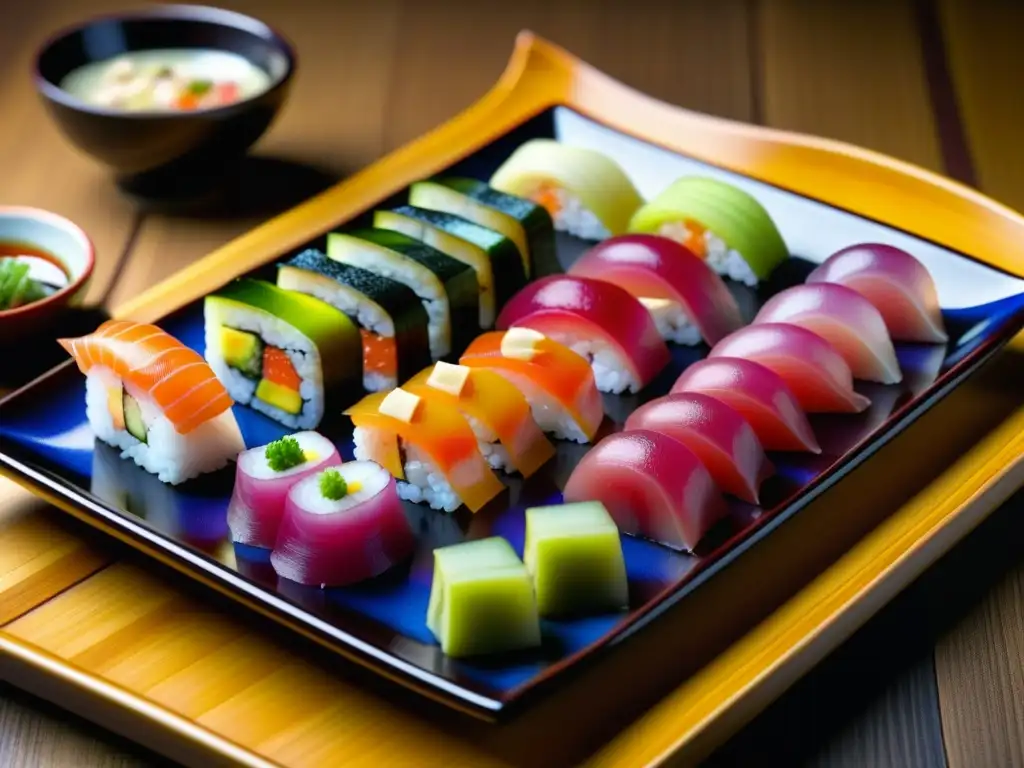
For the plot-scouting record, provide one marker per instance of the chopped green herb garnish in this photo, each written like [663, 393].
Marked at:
[16, 287]
[284, 454]
[199, 87]
[333, 485]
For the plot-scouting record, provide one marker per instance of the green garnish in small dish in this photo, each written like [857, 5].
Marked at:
[284, 454]
[16, 287]
[333, 485]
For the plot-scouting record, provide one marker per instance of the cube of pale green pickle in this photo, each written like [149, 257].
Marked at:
[574, 554]
[481, 599]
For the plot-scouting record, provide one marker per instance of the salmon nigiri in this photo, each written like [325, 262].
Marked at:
[720, 437]
[756, 393]
[599, 320]
[846, 320]
[810, 366]
[427, 445]
[899, 286]
[156, 400]
[652, 485]
[558, 383]
[496, 410]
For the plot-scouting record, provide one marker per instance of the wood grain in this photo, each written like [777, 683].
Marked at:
[986, 61]
[850, 71]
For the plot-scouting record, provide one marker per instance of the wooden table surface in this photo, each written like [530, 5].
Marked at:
[937, 678]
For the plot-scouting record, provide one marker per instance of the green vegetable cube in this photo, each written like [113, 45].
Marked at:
[481, 599]
[574, 554]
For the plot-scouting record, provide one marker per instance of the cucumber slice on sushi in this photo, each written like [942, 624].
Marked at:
[587, 193]
[307, 348]
[447, 288]
[392, 321]
[495, 259]
[723, 224]
[525, 223]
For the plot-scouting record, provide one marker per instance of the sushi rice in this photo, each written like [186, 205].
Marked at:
[548, 413]
[423, 480]
[610, 375]
[672, 322]
[573, 217]
[718, 255]
[493, 451]
[168, 454]
[371, 479]
[303, 354]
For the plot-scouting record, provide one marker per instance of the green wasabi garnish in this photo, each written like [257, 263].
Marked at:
[284, 454]
[333, 485]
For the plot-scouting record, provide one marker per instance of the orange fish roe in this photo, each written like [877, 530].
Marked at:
[278, 368]
[380, 354]
[695, 241]
[547, 197]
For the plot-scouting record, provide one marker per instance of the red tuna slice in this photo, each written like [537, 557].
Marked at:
[811, 367]
[759, 395]
[846, 320]
[896, 283]
[720, 437]
[653, 267]
[599, 320]
[652, 485]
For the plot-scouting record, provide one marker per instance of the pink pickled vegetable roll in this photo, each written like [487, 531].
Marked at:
[652, 485]
[719, 436]
[341, 526]
[899, 286]
[600, 321]
[263, 477]
[846, 320]
[759, 395]
[812, 368]
[686, 298]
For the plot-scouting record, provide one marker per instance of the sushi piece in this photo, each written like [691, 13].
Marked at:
[496, 410]
[263, 477]
[392, 321]
[481, 600]
[281, 352]
[495, 259]
[587, 193]
[759, 395]
[846, 320]
[812, 368]
[341, 526]
[447, 288]
[427, 445]
[156, 400]
[720, 437]
[686, 298]
[574, 554]
[525, 223]
[899, 286]
[720, 223]
[598, 320]
[652, 485]
[558, 384]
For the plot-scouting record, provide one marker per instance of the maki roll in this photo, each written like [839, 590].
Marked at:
[427, 445]
[156, 400]
[279, 352]
[342, 525]
[447, 288]
[587, 193]
[522, 221]
[720, 223]
[263, 477]
[495, 259]
[392, 321]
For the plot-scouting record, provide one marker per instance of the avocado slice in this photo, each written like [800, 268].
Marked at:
[133, 418]
[288, 400]
[243, 351]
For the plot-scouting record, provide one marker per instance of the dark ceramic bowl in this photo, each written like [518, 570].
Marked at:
[162, 151]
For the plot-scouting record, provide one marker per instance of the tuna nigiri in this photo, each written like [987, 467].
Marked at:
[600, 321]
[686, 298]
[846, 320]
[720, 437]
[652, 485]
[759, 395]
[426, 444]
[558, 383]
[897, 284]
[496, 410]
[156, 400]
[342, 525]
[811, 367]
